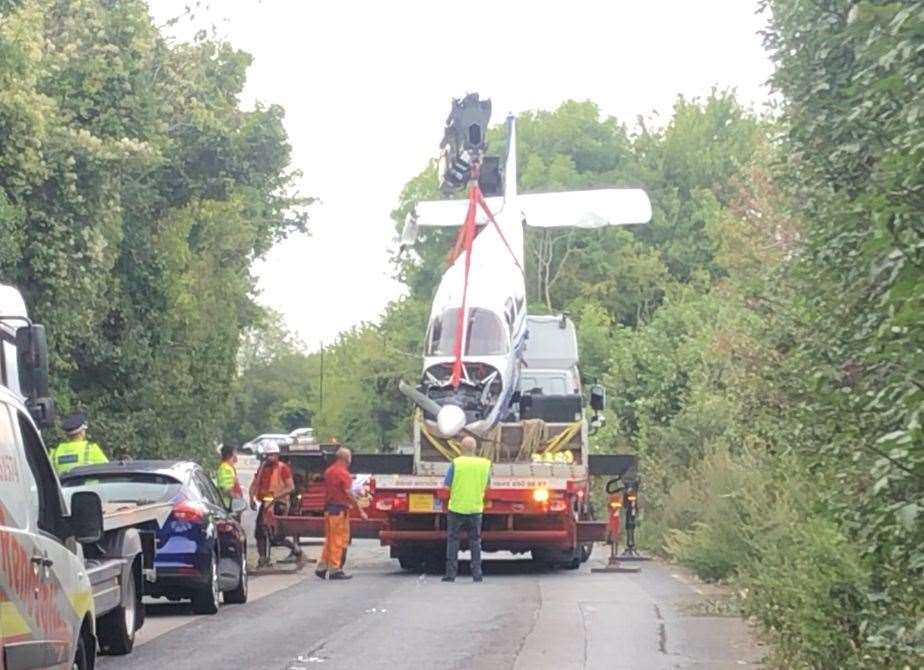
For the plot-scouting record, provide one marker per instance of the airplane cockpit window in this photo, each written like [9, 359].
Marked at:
[442, 334]
[486, 334]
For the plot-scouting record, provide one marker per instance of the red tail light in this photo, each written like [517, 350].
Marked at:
[189, 512]
[385, 504]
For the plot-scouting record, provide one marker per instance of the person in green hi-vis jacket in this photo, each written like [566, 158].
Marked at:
[467, 480]
[76, 450]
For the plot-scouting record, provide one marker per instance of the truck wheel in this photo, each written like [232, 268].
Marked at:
[206, 599]
[116, 629]
[572, 559]
[572, 564]
[238, 595]
[586, 551]
[410, 564]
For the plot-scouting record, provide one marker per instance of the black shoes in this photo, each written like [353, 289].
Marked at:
[320, 574]
[340, 574]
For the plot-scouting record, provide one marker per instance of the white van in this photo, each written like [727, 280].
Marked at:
[47, 616]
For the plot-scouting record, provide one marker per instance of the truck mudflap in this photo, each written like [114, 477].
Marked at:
[625, 465]
[313, 526]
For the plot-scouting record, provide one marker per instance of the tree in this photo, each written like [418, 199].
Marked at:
[134, 196]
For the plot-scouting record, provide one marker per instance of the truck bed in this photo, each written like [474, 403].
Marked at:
[124, 515]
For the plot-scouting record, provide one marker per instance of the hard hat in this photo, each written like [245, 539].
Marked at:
[270, 448]
[74, 423]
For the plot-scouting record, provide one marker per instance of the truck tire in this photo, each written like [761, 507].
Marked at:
[206, 599]
[411, 562]
[586, 551]
[116, 629]
[238, 595]
[573, 563]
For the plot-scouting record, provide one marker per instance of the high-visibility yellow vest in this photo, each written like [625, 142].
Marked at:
[69, 455]
[226, 480]
[470, 476]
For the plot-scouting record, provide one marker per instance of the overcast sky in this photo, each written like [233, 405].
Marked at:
[367, 85]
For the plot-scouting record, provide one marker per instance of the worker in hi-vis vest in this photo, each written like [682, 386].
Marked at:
[467, 480]
[76, 450]
[229, 486]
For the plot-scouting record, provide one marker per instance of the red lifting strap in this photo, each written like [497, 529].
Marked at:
[464, 243]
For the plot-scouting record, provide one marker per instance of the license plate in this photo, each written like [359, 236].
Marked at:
[420, 502]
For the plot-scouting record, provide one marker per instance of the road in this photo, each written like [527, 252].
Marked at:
[519, 617]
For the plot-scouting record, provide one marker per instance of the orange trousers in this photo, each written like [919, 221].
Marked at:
[336, 539]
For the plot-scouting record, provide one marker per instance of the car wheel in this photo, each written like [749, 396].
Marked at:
[206, 599]
[238, 595]
[116, 629]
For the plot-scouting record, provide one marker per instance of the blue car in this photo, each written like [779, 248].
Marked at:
[201, 550]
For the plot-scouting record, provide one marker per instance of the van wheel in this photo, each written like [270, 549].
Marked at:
[81, 656]
[206, 599]
[238, 595]
[116, 629]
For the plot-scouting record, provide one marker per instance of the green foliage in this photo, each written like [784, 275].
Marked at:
[851, 75]
[134, 195]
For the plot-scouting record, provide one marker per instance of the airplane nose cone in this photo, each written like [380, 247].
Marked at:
[450, 420]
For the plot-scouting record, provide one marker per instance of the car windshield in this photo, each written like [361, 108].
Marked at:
[486, 334]
[138, 488]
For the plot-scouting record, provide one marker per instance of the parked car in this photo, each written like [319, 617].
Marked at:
[201, 550]
[255, 446]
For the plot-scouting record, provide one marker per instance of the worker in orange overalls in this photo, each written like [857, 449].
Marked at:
[338, 498]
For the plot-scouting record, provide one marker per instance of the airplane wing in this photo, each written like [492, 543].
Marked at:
[585, 209]
[452, 212]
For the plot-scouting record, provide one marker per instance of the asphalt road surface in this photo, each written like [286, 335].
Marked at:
[519, 617]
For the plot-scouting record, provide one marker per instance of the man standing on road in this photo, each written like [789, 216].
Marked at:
[271, 485]
[467, 480]
[338, 498]
[226, 479]
[76, 450]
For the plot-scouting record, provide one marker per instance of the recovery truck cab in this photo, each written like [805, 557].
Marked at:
[68, 574]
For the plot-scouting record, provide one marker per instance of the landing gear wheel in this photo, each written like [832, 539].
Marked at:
[238, 596]
[116, 630]
[206, 599]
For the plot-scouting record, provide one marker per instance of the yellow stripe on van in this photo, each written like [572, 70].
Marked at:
[81, 601]
[12, 622]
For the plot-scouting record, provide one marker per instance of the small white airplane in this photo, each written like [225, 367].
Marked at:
[491, 295]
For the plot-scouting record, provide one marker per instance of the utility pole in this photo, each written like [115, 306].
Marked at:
[322, 378]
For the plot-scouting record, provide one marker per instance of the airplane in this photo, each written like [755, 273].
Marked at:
[471, 370]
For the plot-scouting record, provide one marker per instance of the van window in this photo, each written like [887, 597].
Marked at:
[44, 479]
[14, 483]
